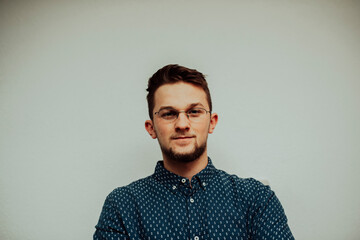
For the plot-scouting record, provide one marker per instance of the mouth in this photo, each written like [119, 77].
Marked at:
[183, 140]
[182, 137]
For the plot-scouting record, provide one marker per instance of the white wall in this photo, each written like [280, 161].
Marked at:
[284, 76]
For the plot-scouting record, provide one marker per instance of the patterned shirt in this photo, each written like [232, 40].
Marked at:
[216, 205]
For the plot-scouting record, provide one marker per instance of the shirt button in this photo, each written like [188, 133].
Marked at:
[192, 200]
[204, 184]
[183, 180]
[174, 187]
[196, 238]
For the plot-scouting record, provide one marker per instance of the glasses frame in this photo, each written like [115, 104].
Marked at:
[178, 113]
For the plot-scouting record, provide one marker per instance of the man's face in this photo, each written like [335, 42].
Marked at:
[182, 139]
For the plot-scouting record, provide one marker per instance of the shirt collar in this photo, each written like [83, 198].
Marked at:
[172, 180]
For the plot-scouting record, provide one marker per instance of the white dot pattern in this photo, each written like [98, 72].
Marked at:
[216, 206]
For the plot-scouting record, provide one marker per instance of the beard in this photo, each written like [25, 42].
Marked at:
[184, 157]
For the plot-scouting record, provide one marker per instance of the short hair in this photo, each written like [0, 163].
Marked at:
[174, 73]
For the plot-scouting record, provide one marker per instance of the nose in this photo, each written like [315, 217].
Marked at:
[182, 122]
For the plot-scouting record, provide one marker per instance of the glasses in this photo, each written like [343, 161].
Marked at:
[193, 114]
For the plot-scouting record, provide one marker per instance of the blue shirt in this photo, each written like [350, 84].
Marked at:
[217, 205]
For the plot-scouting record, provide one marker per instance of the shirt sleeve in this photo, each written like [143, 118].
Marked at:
[268, 220]
[110, 225]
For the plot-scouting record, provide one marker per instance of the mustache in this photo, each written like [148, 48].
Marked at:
[175, 136]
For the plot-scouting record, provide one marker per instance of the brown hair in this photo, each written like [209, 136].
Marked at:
[174, 73]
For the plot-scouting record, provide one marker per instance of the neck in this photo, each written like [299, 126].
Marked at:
[186, 169]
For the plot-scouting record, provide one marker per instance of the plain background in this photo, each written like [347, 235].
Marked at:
[284, 77]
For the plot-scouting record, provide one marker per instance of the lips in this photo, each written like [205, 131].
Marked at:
[182, 137]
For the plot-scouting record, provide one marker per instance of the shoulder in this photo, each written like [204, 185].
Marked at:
[250, 183]
[130, 191]
[246, 188]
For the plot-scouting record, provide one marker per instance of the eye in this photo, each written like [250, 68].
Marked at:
[168, 114]
[195, 112]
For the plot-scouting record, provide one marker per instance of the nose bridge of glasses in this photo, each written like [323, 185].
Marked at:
[185, 112]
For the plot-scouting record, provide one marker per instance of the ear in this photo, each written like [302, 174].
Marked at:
[149, 126]
[213, 121]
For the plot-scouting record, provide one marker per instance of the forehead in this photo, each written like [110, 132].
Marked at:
[179, 95]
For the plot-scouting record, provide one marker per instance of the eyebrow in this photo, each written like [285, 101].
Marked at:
[188, 107]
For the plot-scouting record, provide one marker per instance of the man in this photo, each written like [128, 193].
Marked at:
[187, 197]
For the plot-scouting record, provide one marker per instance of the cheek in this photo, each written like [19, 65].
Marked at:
[162, 131]
[203, 131]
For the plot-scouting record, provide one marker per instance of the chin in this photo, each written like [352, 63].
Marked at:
[186, 155]
[183, 150]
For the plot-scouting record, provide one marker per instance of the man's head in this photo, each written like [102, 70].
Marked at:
[180, 112]
[174, 73]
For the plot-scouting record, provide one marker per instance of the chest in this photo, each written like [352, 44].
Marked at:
[203, 214]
